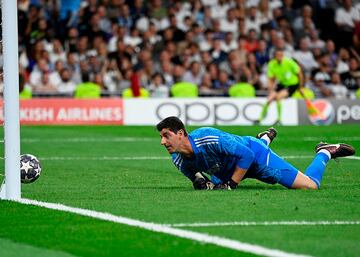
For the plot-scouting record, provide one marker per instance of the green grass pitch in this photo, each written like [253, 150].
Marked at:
[85, 167]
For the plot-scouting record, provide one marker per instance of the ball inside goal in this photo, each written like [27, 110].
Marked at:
[30, 168]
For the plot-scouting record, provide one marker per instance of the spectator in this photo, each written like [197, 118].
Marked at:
[194, 75]
[251, 43]
[315, 41]
[66, 84]
[349, 78]
[219, 9]
[157, 87]
[55, 75]
[289, 11]
[253, 21]
[208, 42]
[252, 71]
[319, 87]
[346, 18]
[41, 67]
[71, 40]
[216, 30]
[125, 19]
[343, 59]
[305, 57]
[229, 43]
[104, 21]
[112, 76]
[217, 54]
[262, 53]
[230, 23]
[306, 15]
[223, 83]
[265, 13]
[57, 52]
[44, 85]
[206, 86]
[337, 88]
[333, 56]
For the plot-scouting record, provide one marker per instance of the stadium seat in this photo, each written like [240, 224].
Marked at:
[242, 89]
[87, 90]
[127, 93]
[309, 94]
[184, 89]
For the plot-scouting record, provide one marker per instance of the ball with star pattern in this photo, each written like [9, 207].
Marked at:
[30, 168]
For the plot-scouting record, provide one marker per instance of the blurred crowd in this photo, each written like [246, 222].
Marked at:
[210, 43]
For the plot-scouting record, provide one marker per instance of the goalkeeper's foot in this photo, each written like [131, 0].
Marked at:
[336, 150]
[271, 133]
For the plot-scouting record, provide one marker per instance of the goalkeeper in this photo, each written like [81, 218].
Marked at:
[229, 158]
[286, 73]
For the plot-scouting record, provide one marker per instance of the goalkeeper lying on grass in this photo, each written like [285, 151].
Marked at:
[229, 158]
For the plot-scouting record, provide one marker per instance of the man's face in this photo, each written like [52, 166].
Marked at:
[279, 55]
[171, 140]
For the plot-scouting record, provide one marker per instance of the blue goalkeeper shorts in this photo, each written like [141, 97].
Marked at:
[269, 168]
[285, 173]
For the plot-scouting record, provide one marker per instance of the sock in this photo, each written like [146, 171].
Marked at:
[316, 169]
[279, 109]
[264, 111]
[266, 139]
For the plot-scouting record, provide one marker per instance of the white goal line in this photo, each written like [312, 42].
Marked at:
[195, 236]
[269, 223]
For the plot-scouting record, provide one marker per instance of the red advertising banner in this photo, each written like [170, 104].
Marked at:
[63, 111]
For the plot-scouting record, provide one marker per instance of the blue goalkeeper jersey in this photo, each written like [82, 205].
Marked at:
[217, 153]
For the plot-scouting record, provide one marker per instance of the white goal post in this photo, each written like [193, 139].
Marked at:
[12, 190]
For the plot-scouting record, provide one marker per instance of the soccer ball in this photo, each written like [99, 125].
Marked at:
[30, 168]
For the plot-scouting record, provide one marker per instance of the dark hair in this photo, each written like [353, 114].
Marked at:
[172, 123]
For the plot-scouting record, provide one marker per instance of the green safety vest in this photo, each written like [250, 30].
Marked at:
[286, 72]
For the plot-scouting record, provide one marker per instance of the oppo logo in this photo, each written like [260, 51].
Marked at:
[224, 112]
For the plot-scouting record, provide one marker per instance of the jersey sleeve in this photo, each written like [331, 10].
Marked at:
[270, 71]
[190, 174]
[243, 154]
[182, 167]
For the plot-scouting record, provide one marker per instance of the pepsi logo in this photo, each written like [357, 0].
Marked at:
[325, 115]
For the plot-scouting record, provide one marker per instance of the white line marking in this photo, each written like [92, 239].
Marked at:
[332, 138]
[88, 139]
[196, 236]
[268, 223]
[353, 157]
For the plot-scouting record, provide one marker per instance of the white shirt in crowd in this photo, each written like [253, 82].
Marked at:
[347, 18]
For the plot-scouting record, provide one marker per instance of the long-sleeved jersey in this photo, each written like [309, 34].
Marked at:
[218, 153]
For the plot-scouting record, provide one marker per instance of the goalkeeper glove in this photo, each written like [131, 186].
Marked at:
[202, 183]
[230, 185]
